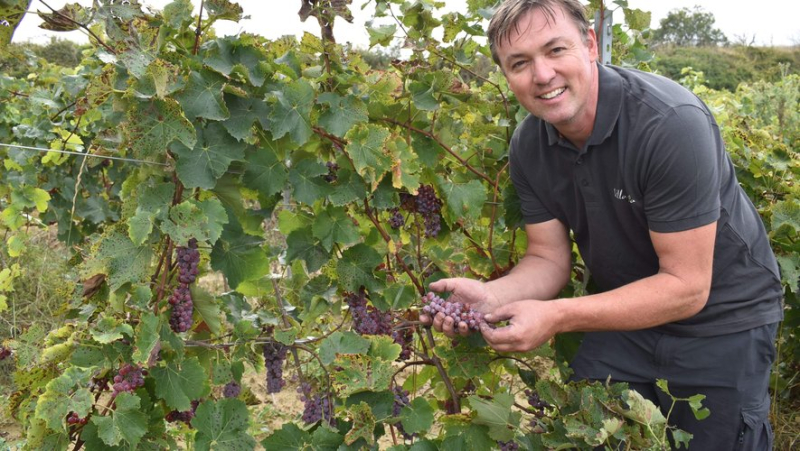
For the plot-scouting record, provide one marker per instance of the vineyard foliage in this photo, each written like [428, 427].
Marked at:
[304, 179]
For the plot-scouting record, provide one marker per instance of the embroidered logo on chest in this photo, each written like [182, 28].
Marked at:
[620, 195]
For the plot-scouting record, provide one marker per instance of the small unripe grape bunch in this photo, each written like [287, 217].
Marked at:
[433, 304]
[73, 418]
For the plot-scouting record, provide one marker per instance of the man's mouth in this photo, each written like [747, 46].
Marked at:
[552, 94]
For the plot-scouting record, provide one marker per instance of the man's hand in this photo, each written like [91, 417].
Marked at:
[530, 324]
[466, 291]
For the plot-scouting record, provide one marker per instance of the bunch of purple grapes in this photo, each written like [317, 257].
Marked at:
[316, 406]
[231, 389]
[404, 337]
[396, 220]
[400, 400]
[510, 445]
[73, 418]
[4, 353]
[536, 403]
[129, 378]
[433, 304]
[367, 319]
[331, 176]
[426, 204]
[181, 300]
[274, 356]
[184, 416]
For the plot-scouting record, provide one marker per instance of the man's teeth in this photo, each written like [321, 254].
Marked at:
[552, 94]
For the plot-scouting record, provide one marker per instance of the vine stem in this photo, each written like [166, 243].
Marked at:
[199, 30]
[443, 146]
[82, 26]
[445, 378]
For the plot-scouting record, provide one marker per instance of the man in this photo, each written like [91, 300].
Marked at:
[633, 165]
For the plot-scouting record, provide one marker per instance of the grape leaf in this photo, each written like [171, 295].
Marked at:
[333, 226]
[202, 97]
[146, 338]
[363, 424]
[349, 187]
[291, 112]
[302, 245]
[44, 438]
[245, 111]
[361, 373]
[384, 348]
[786, 213]
[224, 9]
[306, 181]
[61, 396]
[367, 149]
[342, 343]
[405, 167]
[179, 384]
[790, 270]
[208, 308]
[152, 126]
[238, 256]
[417, 417]
[288, 438]
[355, 267]
[264, 171]
[153, 202]
[381, 35]
[496, 413]
[462, 200]
[125, 262]
[342, 113]
[222, 425]
[108, 329]
[201, 166]
[192, 219]
[469, 437]
[127, 422]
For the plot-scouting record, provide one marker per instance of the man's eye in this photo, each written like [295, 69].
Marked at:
[558, 50]
[517, 64]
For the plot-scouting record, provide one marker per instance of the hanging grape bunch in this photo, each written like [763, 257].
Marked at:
[129, 378]
[331, 176]
[368, 320]
[426, 204]
[181, 299]
[73, 418]
[231, 389]
[316, 406]
[400, 400]
[274, 356]
[433, 304]
[182, 416]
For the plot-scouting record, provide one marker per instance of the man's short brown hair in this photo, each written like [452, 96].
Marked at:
[510, 12]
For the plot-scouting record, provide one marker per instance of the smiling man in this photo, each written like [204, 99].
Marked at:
[633, 165]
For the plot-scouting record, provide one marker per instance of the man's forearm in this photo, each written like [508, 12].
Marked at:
[653, 301]
[532, 278]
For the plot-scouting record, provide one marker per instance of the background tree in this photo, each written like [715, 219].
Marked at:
[689, 28]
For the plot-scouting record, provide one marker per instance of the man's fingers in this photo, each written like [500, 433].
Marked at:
[441, 285]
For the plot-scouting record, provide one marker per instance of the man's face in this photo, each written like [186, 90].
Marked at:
[551, 70]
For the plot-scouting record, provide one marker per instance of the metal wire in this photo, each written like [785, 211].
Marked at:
[69, 152]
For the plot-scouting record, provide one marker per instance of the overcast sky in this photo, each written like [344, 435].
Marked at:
[769, 21]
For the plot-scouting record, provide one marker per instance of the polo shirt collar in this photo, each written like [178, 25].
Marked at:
[609, 105]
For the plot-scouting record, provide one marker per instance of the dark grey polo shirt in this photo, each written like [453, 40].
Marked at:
[655, 161]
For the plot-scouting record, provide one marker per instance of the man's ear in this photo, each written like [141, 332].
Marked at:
[591, 44]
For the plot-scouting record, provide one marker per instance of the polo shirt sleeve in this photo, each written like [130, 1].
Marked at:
[531, 207]
[682, 174]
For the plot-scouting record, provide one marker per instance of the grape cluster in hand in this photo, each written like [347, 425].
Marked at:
[427, 205]
[181, 300]
[231, 390]
[367, 319]
[274, 356]
[433, 304]
[129, 378]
